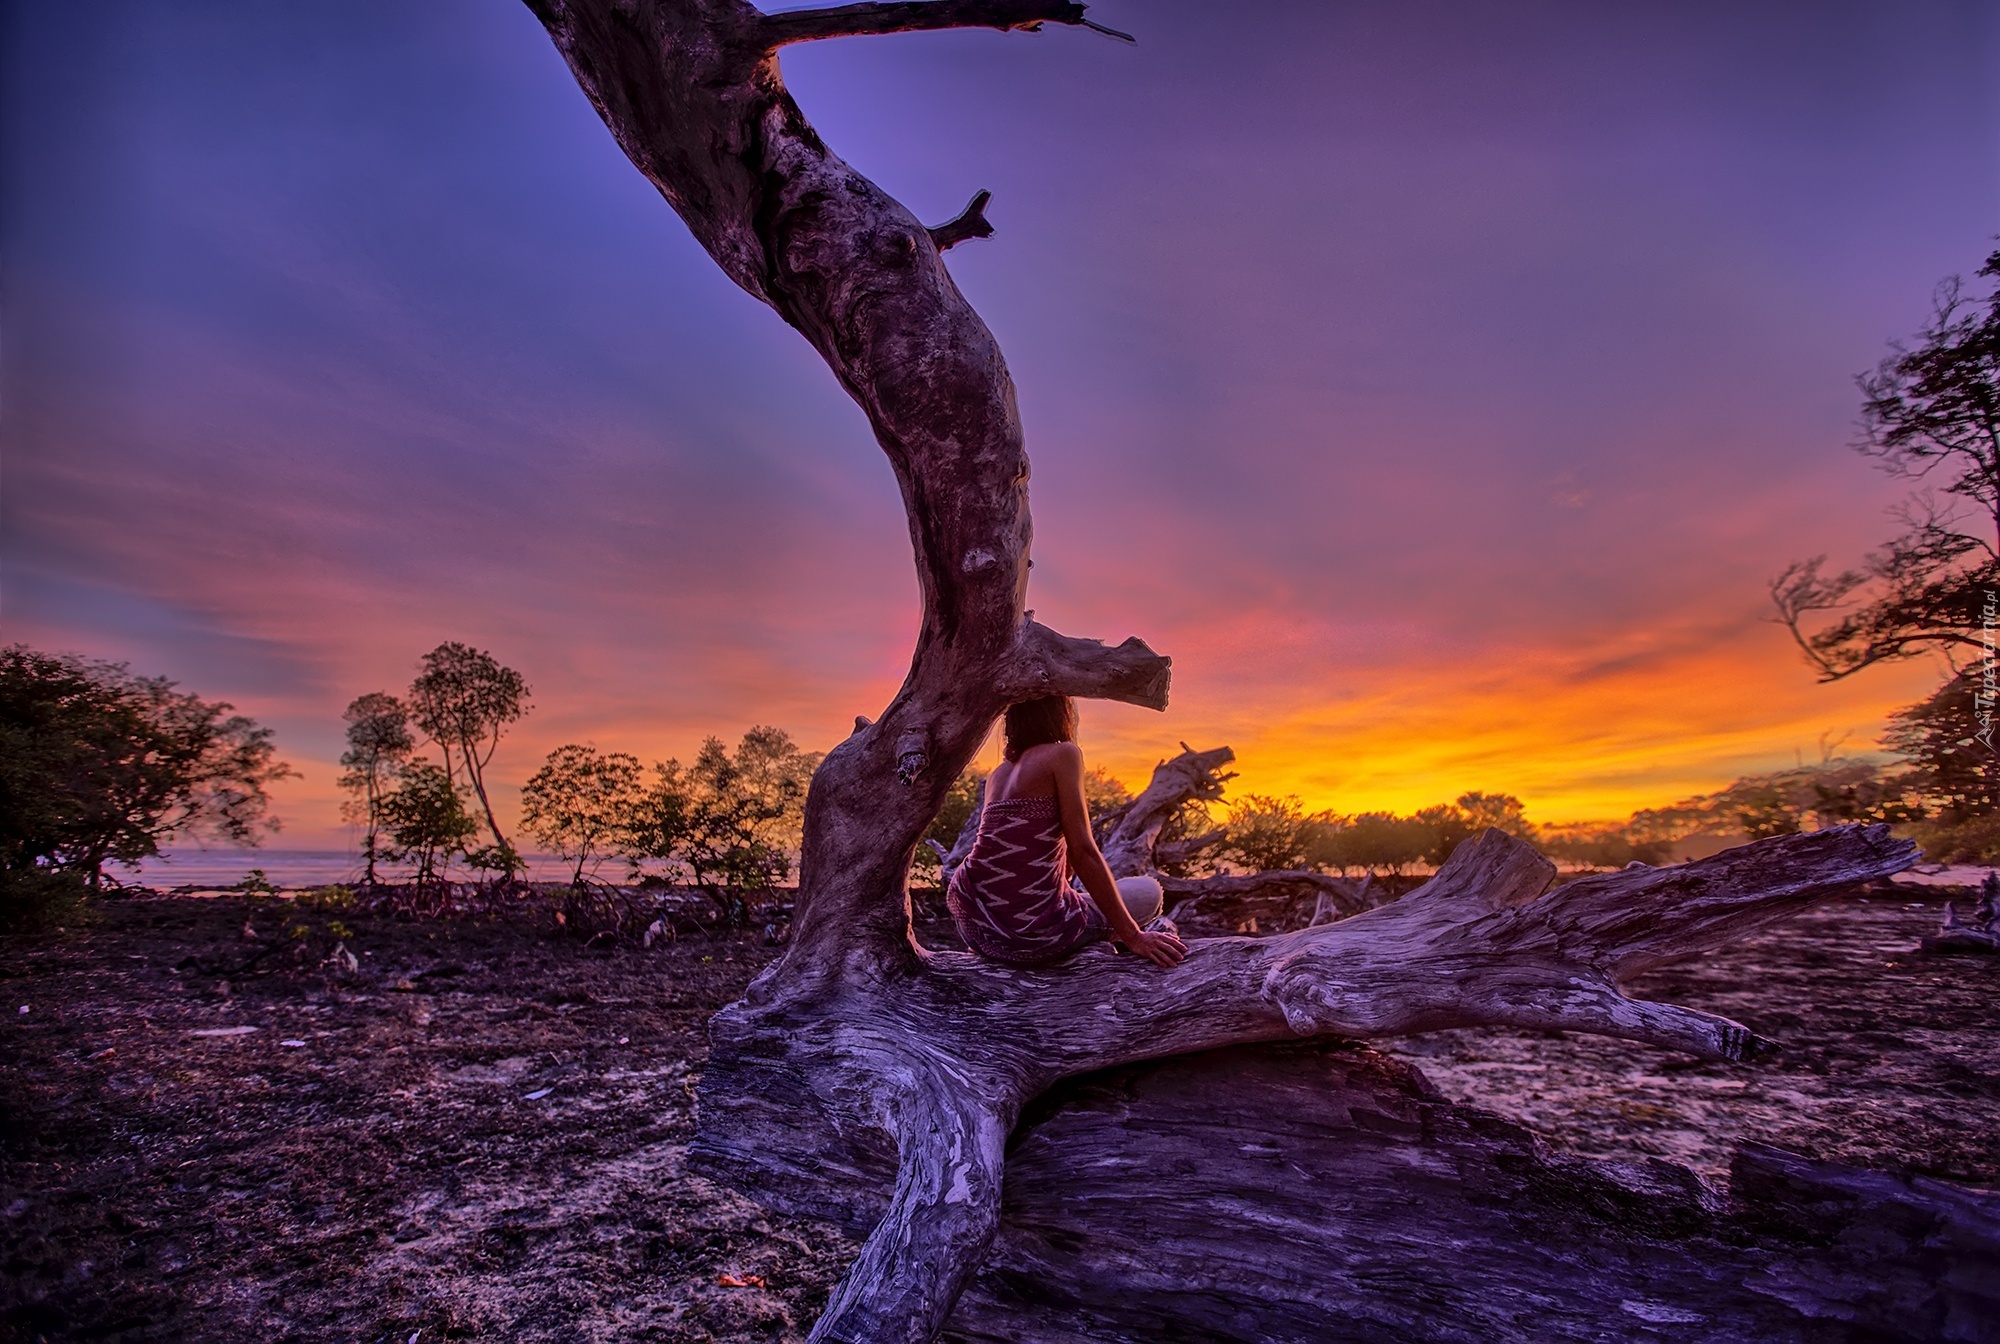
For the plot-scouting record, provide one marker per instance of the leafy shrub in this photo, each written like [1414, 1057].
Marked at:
[98, 766]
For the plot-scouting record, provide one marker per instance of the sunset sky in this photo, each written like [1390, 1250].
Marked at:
[1440, 384]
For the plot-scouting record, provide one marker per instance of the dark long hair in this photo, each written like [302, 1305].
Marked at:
[1033, 722]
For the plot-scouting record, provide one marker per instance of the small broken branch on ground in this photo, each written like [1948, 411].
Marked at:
[1333, 897]
[1980, 934]
[1326, 909]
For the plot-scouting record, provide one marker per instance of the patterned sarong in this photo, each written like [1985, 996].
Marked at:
[1011, 898]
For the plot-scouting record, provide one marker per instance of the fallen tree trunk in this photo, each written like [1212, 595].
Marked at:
[866, 1079]
[890, 1108]
[1383, 1213]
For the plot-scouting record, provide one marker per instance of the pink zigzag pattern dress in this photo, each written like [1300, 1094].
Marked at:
[1011, 898]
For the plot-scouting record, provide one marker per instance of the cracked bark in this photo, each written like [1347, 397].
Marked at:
[864, 1079]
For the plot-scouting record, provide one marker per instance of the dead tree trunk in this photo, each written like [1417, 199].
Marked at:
[1192, 776]
[1134, 847]
[867, 1080]
[1383, 1213]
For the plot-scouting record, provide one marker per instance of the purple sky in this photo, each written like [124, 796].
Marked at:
[1439, 383]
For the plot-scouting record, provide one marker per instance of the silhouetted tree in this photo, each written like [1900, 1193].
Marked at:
[1502, 811]
[1954, 769]
[1444, 826]
[1103, 791]
[1932, 413]
[378, 746]
[426, 821]
[464, 699]
[100, 766]
[1264, 832]
[731, 821]
[582, 803]
[660, 818]
[746, 810]
[1377, 842]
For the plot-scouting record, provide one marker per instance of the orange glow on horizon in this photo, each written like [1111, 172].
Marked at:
[1574, 741]
[1588, 732]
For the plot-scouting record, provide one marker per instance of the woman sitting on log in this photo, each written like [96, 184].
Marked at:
[1011, 898]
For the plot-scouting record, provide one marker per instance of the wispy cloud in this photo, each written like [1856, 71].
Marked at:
[1437, 387]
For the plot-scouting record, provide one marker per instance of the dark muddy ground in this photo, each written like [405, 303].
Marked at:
[478, 1133]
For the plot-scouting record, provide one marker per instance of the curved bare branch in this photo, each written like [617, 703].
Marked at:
[1129, 849]
[913, 16]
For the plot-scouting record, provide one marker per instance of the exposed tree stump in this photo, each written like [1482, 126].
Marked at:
[865, 1079]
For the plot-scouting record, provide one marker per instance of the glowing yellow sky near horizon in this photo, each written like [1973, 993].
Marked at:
[1574, 737]
[1592, 731]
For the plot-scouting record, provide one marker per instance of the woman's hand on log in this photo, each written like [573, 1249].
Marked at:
[1162, 949]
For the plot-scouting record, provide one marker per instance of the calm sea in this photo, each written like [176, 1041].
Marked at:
[210, 869]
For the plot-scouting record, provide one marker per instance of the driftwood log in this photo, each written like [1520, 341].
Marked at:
[1980, 934]
[866, 1080]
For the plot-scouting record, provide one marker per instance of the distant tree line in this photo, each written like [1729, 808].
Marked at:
[727, 821]
[1261, 832]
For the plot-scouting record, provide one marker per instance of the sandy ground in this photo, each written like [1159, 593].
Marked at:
[478, 1132]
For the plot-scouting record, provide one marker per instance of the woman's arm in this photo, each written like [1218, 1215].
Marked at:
[1087, 861]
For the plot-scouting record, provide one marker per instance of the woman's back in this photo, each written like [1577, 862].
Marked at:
[1011, 898]
[1033, 776]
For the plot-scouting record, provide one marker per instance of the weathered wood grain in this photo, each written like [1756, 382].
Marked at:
[1369, 1209]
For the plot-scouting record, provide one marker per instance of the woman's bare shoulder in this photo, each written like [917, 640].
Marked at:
[1057, 755]
[1055, 760]
[1049, 753]
[1037, 772]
